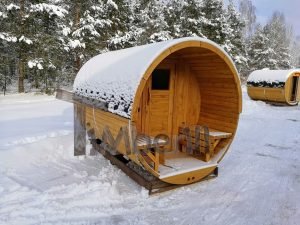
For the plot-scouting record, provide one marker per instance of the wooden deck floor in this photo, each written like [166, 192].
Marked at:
[179, 162]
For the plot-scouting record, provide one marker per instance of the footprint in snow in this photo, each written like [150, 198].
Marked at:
[293, 120]
[278, 147]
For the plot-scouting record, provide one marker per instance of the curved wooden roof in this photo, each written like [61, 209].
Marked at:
[117, 78]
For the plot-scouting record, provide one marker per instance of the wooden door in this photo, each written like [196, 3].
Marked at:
[159, 103]
[295, 81]
[298, 89]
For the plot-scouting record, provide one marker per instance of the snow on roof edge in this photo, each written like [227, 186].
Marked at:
[271, 76]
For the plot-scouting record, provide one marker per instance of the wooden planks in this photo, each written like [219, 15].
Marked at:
[159, 105]
[269, 94]
[187, 99]
[98, 119]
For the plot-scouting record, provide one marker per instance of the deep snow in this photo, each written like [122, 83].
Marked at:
[42, 183]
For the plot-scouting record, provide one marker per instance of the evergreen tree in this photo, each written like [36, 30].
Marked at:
[279, 40]
[46, 59]
[155, 23]
[270, 45]
[215, 27]
[6, 50]
[46, 42]
[16, 16]
[192, 19]
[30, 32]
[86, 30]
[5, 75]
[146, 25]
[129, 35]
[94, 25]
[121, 17]
[173, 18]
[150, 19]
[235, 43]
[261, 54]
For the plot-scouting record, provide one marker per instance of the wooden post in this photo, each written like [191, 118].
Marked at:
[79, 130]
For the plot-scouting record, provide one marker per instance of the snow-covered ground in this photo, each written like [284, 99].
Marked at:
[42, 183]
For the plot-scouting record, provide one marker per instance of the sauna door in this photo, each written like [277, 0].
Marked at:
[159, 103]
[295, 87]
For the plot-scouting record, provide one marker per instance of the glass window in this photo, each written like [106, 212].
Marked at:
[160, 79]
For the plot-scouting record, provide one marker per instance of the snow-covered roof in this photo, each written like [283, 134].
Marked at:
[271, 76]
[113, 77]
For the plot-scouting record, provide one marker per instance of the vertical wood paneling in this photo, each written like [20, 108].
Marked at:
[98, 119]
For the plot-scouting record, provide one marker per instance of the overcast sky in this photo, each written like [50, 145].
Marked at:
[290, 8]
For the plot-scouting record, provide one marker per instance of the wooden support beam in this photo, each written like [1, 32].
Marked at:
[79, 130]
[64, 95]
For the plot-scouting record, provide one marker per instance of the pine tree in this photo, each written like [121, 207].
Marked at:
[46, 42]
[215, 28]
[146, 25]
[150, 19]
[235, 43]
[5, 76]
[6, 50]
[270, 45]
[92, 27]
[46, 58]
[120, 36]
[83, 30]
[128, 33]
[16, 34]
[279, 40]
[192, 19]
[261, 54]
[157, 28]
[172, 15]
[31, 31]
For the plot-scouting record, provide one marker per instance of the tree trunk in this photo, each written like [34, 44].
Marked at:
[76, 22]
[21, 59]
[21, 76]
[77, 63]
[6, 73]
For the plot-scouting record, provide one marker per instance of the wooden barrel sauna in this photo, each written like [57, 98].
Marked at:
[171, 88]
[281, 86]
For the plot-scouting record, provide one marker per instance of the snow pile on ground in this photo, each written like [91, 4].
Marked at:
[41, 182]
